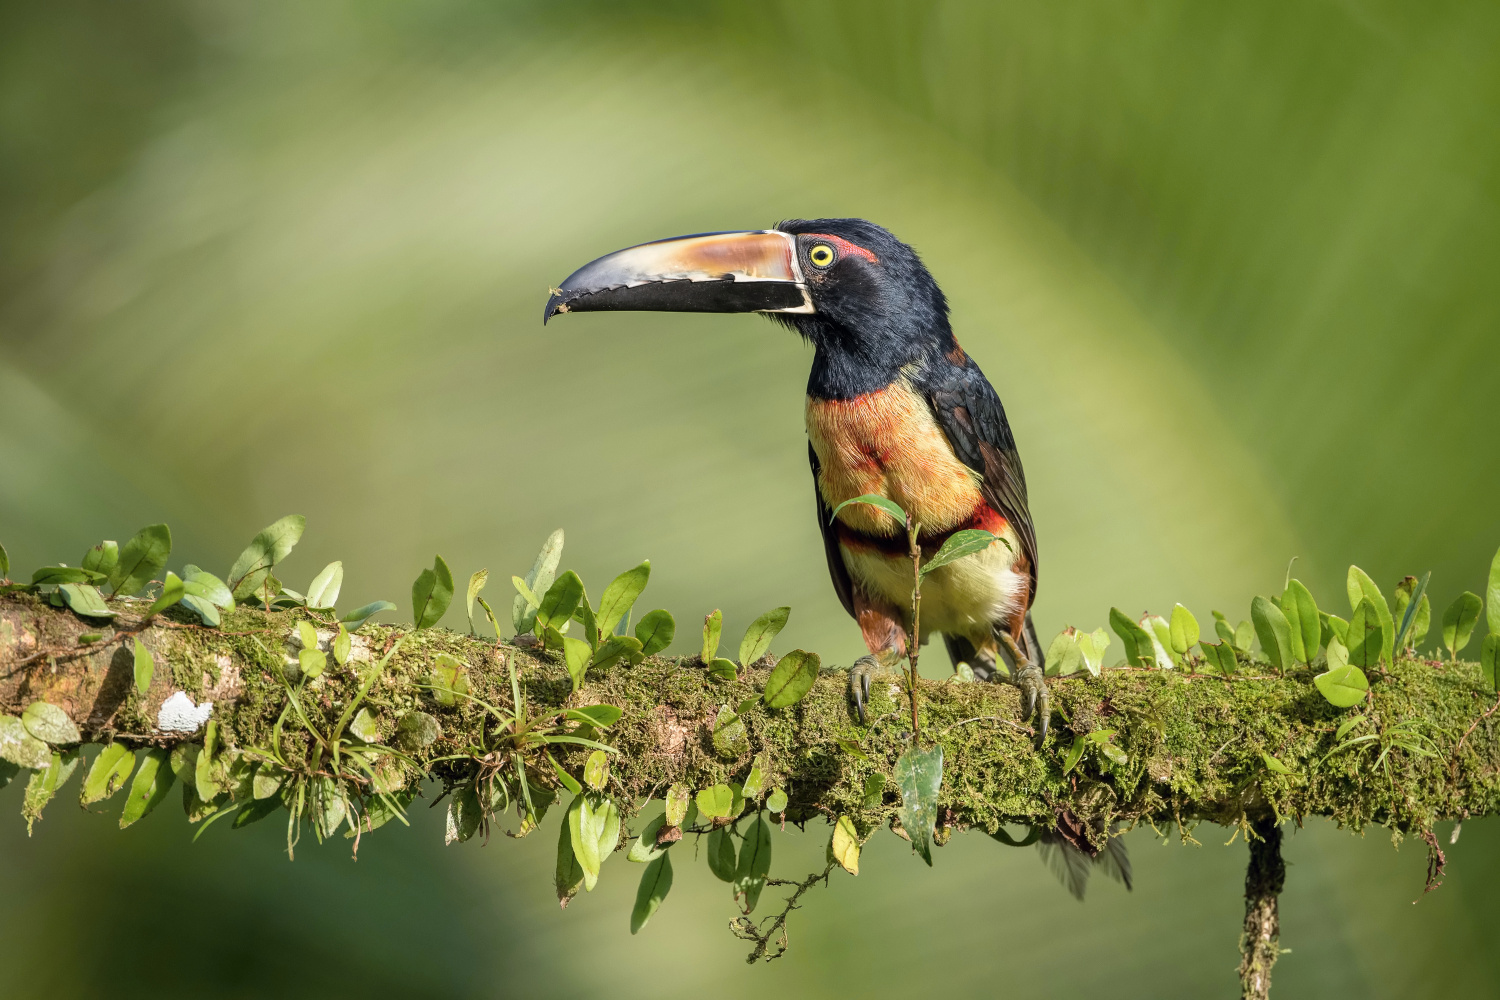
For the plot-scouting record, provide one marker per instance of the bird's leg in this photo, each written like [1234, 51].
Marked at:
[1026, 674]
[885, 637]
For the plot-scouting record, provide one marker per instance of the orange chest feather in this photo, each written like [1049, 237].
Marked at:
[888, 443]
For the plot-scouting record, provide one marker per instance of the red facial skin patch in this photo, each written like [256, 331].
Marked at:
[844, 247]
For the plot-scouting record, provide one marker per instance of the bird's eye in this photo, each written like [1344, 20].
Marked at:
[821, 255]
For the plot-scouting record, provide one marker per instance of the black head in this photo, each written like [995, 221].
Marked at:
[859, 295]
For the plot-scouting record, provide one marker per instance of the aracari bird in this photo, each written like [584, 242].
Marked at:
[894, 407]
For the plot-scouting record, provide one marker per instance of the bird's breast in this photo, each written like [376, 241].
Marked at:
[889, 443]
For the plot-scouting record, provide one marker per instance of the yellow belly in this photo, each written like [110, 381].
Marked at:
[888, 443]
[968, 597]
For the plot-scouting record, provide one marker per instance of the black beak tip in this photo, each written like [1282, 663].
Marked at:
[555, 304]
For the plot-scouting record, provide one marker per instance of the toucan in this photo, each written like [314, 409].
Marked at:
[895, 407]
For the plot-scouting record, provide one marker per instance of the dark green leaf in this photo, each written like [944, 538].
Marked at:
[432, 593]
[584, 615]
[85, 600]
[960, 544]
[721, 859]
[1305, 626]
[1343, 686]
[791, 679]
[354, 619]
[150, 787]
[712, 625]
[873, 500]
[760, 633]
[1274, 631]
[50, 724]
[754, 864]
[323, 592]
[656, 630]
[1140, 651]
[620, 596]
[1361, 587]
[722, 669]
[919, 773]
[576, 655]
[144, 556]
[110, 770]
[102, 558]
[559, 602]
[1184, 630]
[1274, 765]
[57, 575]
[612, 649]
[644, 850]
[1489, 661]
[523, 612]
[656, 882]
[1075, 754]
[568, 878]
[1459, 621]
[1410, 602]
[250, 571]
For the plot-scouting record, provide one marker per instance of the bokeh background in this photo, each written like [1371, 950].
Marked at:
[1231, 266]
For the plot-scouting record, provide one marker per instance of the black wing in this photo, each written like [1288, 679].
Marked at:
[970, 413]
[836, 568]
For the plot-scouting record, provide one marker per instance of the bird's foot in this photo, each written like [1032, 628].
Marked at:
[861, 675]
[1028, 675]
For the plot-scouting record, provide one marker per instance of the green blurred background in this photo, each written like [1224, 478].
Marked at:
[1231, 266]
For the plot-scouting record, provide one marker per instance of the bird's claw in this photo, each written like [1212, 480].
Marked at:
[1035, 700]
[860, 675]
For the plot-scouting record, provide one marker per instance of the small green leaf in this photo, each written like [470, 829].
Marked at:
[432, 593]
[1366, 635]
[110, 770]
[791, 679]
[360, 615]
[1459, 621]
[1183, 631]
[172, 591]
[1063, 654]
[1274, 765]
[656, 882]
[760, 633]
[311, 662]
[4, 564]
[267, 781]
[576, 655]
[149, 789]
[449, 679]
[102, 558]
[57, 575]
[20, 747]
[307, 635]
[1244, 637]
[713, 624]
[1413, 611]
[715, 802]
[144, 556]
[49, 724]
[1075, 753]
[44, 784]
[523, 610]
[476, 583]
[753, 781]
[677, 804]
[559, 602]
[721, 859]
[1140, 650]
[1160, 634]
[611, 650]
[1305, 626]
[960, 544]
[144, 667]
[85, 600]
[874, 791]
[584, 615]
[89, 638]
[1343, 686]
[1361, 587]
[1274, 632]
[1092, 647]
[845, 845]
[364, 728]
[323, 592]
[1334, 627]
[776, 801]
[532, 601]
[722, 669]
[1489, 661]
[754, 864]
[644, 850]
[730, 738]
[596, 770]
[416, 730]
[208, 586]
[598, 716]
[874, 500]
[342, 646]
[919, 773]
[620, 596]
[851, 747]
[656, 630]
[1492, 595]
[1348, 724]
[275, 543]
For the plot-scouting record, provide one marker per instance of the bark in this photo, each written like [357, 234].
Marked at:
[1260, 943]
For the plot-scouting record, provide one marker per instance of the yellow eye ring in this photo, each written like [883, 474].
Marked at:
[821, 255]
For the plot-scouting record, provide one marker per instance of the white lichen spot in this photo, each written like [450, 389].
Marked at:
[179, 715]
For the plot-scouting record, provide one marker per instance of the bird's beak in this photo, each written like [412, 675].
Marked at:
[711, 272]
